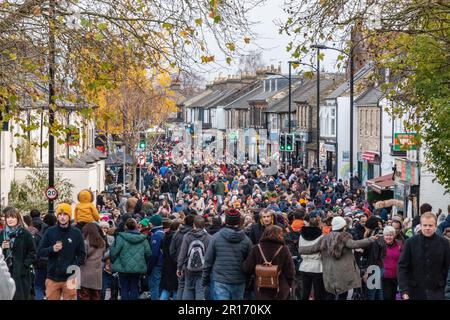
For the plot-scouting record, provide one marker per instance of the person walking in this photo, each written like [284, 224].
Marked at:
[393, 251]
[129, 256]
[157, 259]
[311, 270]
[63, 245]
[191, 260]
[226, 251]
[424, 263]
[40, 265]
[340, 273]
[272, 248]
[169, 282]
[266, 218]
[91, 270]
[175, 247]
[19, 251]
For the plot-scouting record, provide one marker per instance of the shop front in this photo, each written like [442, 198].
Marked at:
[406, 186]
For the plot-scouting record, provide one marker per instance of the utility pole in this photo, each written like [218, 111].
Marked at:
[318, 108]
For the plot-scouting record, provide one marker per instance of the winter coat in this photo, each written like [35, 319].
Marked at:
[85, 210]
[291, 238]
[213, 229]
[256, 231]
[447, 287]
[194, 234]
[169, 280]
[391, 259]
[8, 286]
[130, 253]
[444, 225]
[284, 262]
[219, 188]
[38, 223]
[156, 238]
[312, 262]
[40, 262]
[91, 270]
[423, 267]
[175, 246]
[340, 272]
[23, 255]
[73, 251]
[226, 251]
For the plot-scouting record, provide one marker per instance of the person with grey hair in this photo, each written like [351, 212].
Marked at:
[8, 286]
[393, 251]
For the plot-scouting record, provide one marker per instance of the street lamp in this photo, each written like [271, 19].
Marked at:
[350, 56]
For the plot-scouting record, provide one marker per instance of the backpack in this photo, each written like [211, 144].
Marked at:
[266, 273]
[196, 256]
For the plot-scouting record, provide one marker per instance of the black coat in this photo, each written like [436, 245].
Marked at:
[23, 256]
[169, 280]
[72, 253]
[423, 267]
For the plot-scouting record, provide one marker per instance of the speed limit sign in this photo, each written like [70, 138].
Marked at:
[51, 193]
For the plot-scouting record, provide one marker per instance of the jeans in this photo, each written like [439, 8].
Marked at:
[165, 295]
[193, 288]
[180, 287]
[109, 281]
[374, 294]
[39, 283]
[223, 291]
[312, 280]
[154, 282]
[129, 286]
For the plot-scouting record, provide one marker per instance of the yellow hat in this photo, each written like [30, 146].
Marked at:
[64, 208]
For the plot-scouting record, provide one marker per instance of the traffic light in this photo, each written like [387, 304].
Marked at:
[142, 142]
[282, 142]
[289, 142]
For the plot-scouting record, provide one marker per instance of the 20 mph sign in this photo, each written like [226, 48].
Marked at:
[51, 193]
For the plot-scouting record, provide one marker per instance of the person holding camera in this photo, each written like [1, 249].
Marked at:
[373, 257]
[19, 251]
[65, 249]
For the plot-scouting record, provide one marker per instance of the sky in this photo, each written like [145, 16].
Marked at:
[269, 41]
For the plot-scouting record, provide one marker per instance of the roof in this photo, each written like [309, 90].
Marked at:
[242, 101]
[370, 97]
[306, 93]
[346, 85]
[196, 98]
[382, 183]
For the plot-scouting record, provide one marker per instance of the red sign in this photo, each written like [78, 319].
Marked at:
[51, 193]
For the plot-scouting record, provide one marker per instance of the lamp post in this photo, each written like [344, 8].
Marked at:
[350, 56]
[290, 63]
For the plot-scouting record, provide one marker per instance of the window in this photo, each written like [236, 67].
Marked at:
[361, 122]
[366, 125]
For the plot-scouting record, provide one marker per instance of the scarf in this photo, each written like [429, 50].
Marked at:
[12, 233]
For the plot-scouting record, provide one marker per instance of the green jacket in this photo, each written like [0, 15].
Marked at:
[130, 253]
[219, 188]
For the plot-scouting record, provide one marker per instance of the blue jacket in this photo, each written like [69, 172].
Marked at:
[443, 225]
[72, 253]
[163, 171]
[178, 208]
[156, 239]
[148, 178]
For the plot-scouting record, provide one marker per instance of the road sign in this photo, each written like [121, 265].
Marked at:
[51, 193]
[141, 160]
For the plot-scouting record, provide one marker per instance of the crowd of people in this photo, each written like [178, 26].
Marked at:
[225, 232]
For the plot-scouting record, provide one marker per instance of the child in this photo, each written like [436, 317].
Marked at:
[85, 210]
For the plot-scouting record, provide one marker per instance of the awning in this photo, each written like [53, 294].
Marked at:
[370, 155]
[381, 184]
